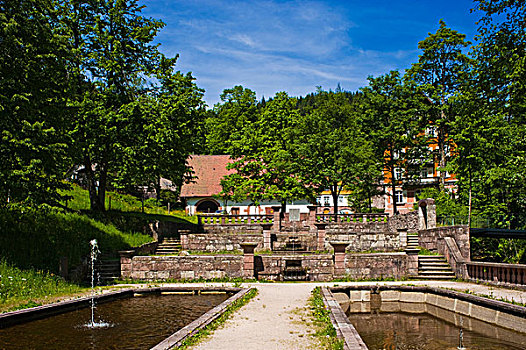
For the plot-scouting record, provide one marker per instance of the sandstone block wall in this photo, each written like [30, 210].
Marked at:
[318, 267]
[430, 238]
[182, 267]
[407, 221]
[363, 237]
[218, 241]
[378, 265]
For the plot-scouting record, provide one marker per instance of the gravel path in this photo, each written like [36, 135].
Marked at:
[277, 318]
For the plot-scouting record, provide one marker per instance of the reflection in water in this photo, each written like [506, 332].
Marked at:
[137, 323]
[425, 327]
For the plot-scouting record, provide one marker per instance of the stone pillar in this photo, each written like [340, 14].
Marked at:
[267, 244]
[311, 218]
[427, 217]
[321, 234]
[339, 258]
[412, 262]
[184, 241]
[126, 263]
[276, 225]
[248, 258]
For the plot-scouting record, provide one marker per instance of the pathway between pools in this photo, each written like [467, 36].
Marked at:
[279, 316]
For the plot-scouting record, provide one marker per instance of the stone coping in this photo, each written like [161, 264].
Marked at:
[26, 315]
[189, 330]
[344, 329]
[501, 306]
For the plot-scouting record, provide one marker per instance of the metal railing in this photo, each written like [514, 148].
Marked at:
[234, 219]
[507, 221]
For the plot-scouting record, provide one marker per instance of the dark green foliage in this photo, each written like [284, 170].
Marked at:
[225, 126]
[332, 151]
[33, 122]
[38, 237]
[394, 118]
[264, 158]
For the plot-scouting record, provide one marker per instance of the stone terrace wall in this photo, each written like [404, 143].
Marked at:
[233, 229]
[319, 267]
[429, 238]
[218, 241]
[378, 265]
[182, 267]
[407, 221]
[308, 240]
[366, 227]
[363, 237]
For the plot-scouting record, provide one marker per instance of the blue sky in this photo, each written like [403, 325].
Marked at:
[295, 46]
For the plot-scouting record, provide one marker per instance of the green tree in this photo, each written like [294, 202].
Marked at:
[262, 157]
[114, 58]
[33, 86]
[490, 130]
[162, 131]
[239, 109]
[440, 70]
[331, 149]
[393, 112]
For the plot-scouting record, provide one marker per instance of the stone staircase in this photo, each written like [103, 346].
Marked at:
[434, 267]
[412, 241]
[168, 246]
[107, 268]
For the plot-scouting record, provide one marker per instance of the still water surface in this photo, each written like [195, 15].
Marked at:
[136, 323]
[424, 331]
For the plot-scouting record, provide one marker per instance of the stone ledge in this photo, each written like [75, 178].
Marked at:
[344, 329]
[178, 337]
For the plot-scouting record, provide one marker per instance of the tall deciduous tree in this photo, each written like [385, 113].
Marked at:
[332, 151]
[115, 56]
[33, 87]
[393, 114]
[490, 131]
[236, 112]
[263, 156]
[163, 131]
[440, 71]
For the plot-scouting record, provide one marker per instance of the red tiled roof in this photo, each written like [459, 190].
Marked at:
[208, 172]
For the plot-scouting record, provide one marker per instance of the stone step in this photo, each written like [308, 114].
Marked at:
[434, 267]
[434, 277]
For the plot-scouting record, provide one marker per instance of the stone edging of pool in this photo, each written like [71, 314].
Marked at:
[483, 309]
[26, 315]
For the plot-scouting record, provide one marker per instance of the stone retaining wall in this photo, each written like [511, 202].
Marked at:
[430, 238]
[219, 241]
[378, 265]
[319, 267]
[407, 221]
[377, 239]
[182, 267]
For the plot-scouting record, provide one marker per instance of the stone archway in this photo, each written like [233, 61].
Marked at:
[208, 205]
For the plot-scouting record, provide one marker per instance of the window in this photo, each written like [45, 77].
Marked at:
[399, 197]
[341, 199]
[423, 173]
[326, 200]
[398, 173]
